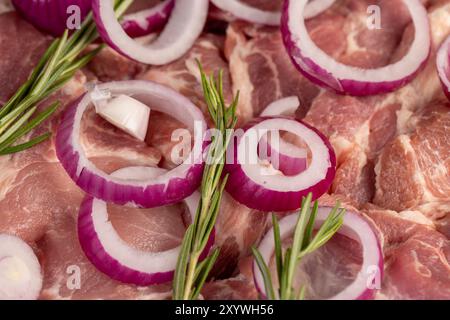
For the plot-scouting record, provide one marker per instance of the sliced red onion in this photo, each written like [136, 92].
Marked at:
[291, 160]
[323, 70]
[354, 227]
[169, 188]
[249, 182]
[246, 12]
[51, 16]
[183, 28]
[20, 271]
[443, 66]
[113, 256]
[147, 21]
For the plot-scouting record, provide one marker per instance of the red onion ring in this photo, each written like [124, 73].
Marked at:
[354, 227]
[443, 66]
[144, 22]
[20, 272]
[323, 70]
[248, 184]
[111, 255]
[282, 107]
[291, 159]
[169, 188]
[183, 28]
[248, 13]
[50, 16]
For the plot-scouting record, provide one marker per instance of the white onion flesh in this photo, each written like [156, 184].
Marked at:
[20, 271]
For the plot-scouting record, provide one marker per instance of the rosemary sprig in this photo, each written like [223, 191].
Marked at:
[303, 243]
[56, 67]
[190, 273]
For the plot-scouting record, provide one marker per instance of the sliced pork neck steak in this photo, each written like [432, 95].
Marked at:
[420, 152]
[239, 287]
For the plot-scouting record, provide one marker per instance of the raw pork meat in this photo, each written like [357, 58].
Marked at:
[39, 202]
[414, 169]
[238, 227]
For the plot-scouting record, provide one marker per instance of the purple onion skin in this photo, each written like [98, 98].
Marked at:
[341, 86]
[254, 196]
[145, 197]
[97, 255]
[50, 16]
[446, 46]
[155, 23]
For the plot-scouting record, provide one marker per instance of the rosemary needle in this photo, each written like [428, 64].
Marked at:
[303, 243]
[56, 67]
[190, 273]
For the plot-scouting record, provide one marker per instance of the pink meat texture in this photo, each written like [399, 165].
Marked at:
[393, 154]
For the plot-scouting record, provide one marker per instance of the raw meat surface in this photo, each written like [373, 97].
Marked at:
[183, 75]
[392, 149]
[238, 227]
[359, 128]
